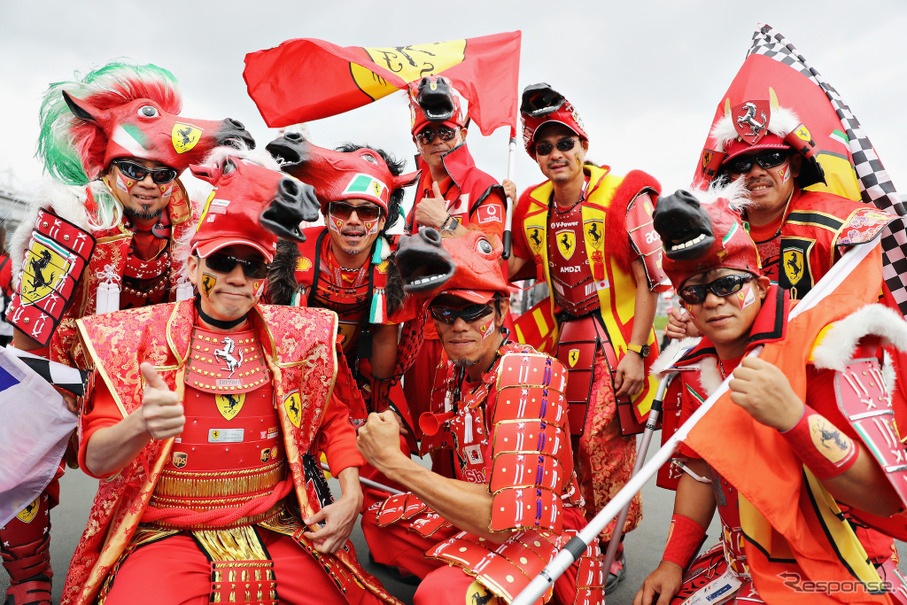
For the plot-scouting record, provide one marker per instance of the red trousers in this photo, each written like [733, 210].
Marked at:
[180, 572]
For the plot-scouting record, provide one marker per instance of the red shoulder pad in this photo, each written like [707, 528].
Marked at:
[645, 240]
[527, 369]
[530, 507]
[530, 436]
[516, 403]
[521, 470]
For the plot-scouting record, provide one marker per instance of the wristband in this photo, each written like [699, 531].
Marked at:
[821, 446]
[684, 540]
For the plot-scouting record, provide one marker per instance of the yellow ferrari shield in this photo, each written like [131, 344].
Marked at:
[28, 513]
[229, 404]
[185, 137]
[292, 405]
[535, 239]
[566, 243]
[793, 261]
[595, 233]
[44, 269]
[573, 357]
[408, 62]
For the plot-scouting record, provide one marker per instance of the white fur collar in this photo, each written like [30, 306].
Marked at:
[841, 340]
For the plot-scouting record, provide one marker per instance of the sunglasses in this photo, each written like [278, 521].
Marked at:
[766, 159]
[723, 286]
[138, 172]
[366, 212]
[445, 133]
[224, 263]
[469, 313]
[564, 145]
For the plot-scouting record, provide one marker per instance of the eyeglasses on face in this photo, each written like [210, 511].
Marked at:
[766, 159]
[723, 286]
[225, 263]
[469, 313]
[365, 212]
[138, 172]
[445, 133]
[564, 145]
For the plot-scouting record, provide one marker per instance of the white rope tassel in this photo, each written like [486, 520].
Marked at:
[108, 298]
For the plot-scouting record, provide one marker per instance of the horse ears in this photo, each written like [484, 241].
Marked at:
[405, 180]
[81, 109]
[206, 173]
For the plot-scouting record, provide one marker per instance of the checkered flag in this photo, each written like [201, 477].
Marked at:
[875, 186]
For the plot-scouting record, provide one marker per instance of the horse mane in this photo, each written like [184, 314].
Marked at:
[73, 149]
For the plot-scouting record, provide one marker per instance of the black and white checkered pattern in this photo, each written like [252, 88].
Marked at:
[875, 186]
[57, 374]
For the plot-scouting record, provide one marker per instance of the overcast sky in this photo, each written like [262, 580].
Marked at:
[646, 77]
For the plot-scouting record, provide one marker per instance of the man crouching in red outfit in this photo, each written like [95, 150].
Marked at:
[482, 535]
[205, 424]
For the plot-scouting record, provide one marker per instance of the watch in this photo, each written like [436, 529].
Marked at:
[642, 350]
[450, 225]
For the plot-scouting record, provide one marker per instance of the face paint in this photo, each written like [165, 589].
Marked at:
[167, 189]
[123, 183]
[335, 224]
[689, 308]
[259, 287]
[371, 227]
[487, 329]
[784, 173]
[745, 296]
[208, 282]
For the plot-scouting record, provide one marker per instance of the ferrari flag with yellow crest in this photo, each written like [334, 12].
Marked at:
[309, 79]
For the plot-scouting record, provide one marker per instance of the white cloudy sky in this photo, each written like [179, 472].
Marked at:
[645, 75]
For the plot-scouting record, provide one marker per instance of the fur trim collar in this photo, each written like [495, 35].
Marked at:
[668, 358]
[841, 340]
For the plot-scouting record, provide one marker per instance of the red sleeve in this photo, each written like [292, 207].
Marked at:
[101, 412]
[337, 437]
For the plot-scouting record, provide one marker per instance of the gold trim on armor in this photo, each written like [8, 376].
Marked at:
[218, 484]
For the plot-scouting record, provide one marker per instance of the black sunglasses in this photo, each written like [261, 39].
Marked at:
[445, 133]
[224, 263]
[723, 286]
[564, 145]
[469, 313]
[366, 212]
[138, 172]
[766, 159]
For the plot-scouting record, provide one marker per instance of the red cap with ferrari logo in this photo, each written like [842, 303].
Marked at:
[541, 106]
[433, 100]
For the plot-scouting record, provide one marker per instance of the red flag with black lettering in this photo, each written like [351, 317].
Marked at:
[308, 79]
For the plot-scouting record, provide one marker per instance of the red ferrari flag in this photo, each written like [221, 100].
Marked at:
[308, 79]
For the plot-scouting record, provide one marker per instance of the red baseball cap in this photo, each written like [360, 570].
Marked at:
[543, 106]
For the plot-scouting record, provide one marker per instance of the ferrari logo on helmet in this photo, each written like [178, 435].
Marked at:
[180, 459]
[573, 357]
[185, 137]
[292, 405]
[230, 404]
[803, 133]
[751, 120]
[566, 243]
[793, 265]
[29, 513]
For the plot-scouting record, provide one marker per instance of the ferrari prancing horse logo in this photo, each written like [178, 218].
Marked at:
[230, 404]
[573, 357]
[566, 243]
[292, 406]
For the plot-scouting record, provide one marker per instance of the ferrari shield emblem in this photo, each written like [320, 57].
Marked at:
[803, 133]
[751, 120]
[573, 357]
[476, 593]
[180, 459]
[44, 269]
[566, 243]
[595, 233]
[535, 239]
[292, 405]
[792, 260]
[185, 137]
[28, 513]
[230, 404]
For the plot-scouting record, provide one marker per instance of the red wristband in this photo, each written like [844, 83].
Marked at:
[684, 540]
[822, 447]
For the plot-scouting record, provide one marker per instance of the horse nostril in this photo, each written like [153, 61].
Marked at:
[431, 236]
[289, 187]
[236, 123]
[293, 136]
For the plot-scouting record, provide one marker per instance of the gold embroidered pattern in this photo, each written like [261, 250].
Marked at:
[189, 487]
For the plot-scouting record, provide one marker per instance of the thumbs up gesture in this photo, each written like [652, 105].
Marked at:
[161, 410]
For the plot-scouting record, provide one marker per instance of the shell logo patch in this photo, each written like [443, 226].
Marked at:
[185, 137]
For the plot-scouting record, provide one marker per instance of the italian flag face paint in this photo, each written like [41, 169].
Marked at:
[487, 329]
[167, 189]
[371, 227]
[745, 296]
[124, 184]
[335, 224]
[784, 173]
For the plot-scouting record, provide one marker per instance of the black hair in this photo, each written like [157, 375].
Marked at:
[396, 167]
